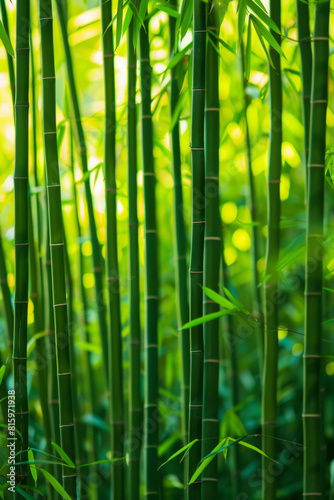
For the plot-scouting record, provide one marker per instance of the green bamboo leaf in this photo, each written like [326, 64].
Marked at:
[185, 17]
[328, 289]
[89, 172]
[218, 298]
[39, 462]
[5, 40]
[221, 447]
[262, 14]
[23, 493]
[178, 56]
[268, 56]
[242, 11]
[254, 448]
[168, 10]
[119, 22]
[248, 50]
[106, 461]
[58, 487]
[208, 317]
[185, 448]
[32, 342]
[222, 42]
[267, 35]
[235, 301]
[205, 462]
[63, 455]
[31, 466]
[2, 373]
[44, 453]
[139, 21]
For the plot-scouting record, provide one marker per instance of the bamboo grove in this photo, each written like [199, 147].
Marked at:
[166, 255]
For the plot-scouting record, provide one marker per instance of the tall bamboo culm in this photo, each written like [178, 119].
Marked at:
[135, 399]
[197, 241]
[314, 256]
[57, 245]
[21, 232]
[303, 30]
[151, 277]
[115, 337]
[82, 150]
[212, 253]
[269, 393]
[180, 238]
[11, 71]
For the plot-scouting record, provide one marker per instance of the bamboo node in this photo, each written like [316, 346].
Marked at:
[133, 224]
[135, 342]
[53, 185]
[196, 149]
[97, 269]
[199, 31]
[319, 101]
[112, 190]
[22, 178]
[149, 173]
[47, 133]
[313, 293]
[211, 178]
[269, 422]
[213, 238]
[16, 357]
[22, 48]
[311, 356]
[211, 361]
[71, 475]
[314, 235]
[45, 18]
[152, 297]
[196, 272]
[153, 405]
[20, 302]
[274, 181]
[311, 415]
[21, 413]
[198, 350]
[316, 165]
[195, 406]
[210, 420]
[53, 401]
[65, 373]
[143, 117]
[153, 231]
[108, 55]
[312, 494]
[67, 425]
[58, 305]
[21, 244]
[198, 221]
[152, 493]
[151, 345]
[211, 109]
[117, 422]
[210, 479]
[112, 278]
[319, 38]
[144, 60]
[151, 446]
[56, 244]
[21, 106]
[48, 77]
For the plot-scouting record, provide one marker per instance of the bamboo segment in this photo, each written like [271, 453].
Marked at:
[151, 434]
[97, 257]
[197, 240]
[21, 233]
[6, 297]
[314, 255]
[57, 245]
[303, 30]
[135, 399]
[269, 394]
[180, 239]
[115, 337]
[212, 252]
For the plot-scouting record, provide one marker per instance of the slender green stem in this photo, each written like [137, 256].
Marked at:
[269, 395]
[115, 337]
[212, 252]
[97, 257]
[21, 232]
[57, 245]
[151, 275]
[303, 30]
[135, 399]
[314, 255]
[180, 239]
[10, 60]
[197, 240]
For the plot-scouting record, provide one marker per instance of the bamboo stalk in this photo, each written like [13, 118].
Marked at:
[115, 338]
[151, 276]
[21, 233]
[57, 246]
[270, 370]
[314, 255]
[303, 30]
[135, 399]
[197, 240]
[212, 252]
[180, 239]
[6, 296]
[82, 150]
